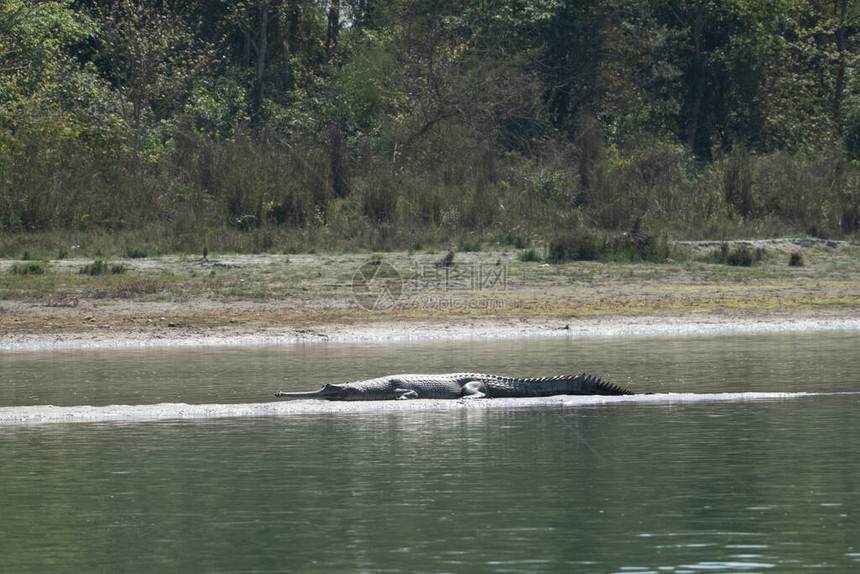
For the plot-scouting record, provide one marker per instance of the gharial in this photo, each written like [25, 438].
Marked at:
[460, 385]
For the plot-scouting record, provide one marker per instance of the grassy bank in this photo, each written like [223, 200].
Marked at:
[250, 292]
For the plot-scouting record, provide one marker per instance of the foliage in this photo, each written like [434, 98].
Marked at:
[100, 267]
[152, 59]
[529, 255]
[578, 245]
[447, 260]
[739, 256]
[30, 268]
[290, 125]
[796, 259]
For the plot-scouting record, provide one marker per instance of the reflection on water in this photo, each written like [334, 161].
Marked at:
[724, 487]
[620, 487]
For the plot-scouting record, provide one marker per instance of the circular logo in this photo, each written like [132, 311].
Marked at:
[376, 285]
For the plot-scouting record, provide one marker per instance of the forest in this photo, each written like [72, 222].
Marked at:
[336, 125]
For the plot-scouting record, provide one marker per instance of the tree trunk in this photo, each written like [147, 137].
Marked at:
[333, 29]
[697, 136]
[290, 44]
[262, 55]
[841, 9]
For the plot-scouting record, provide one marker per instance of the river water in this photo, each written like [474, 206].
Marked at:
[758, 469]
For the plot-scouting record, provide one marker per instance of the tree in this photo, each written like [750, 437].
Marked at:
[573, 50]
[37, 75]
[47, 109]
[804, 92]
[153, 59]
[278, 39]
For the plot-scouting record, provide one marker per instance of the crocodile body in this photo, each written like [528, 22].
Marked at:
[459, 385]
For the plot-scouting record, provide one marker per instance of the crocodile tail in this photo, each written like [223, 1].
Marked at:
[604, 388]
[595, 386]
[581, 384]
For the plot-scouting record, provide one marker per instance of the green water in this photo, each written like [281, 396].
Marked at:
[741, 486]
[730, 363]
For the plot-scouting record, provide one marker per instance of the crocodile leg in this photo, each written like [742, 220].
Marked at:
[474, 390]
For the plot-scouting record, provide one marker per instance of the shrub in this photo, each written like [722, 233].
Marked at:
[447, 260]
[517, 241]
[31, 268]
[575, 246]
[99, 267]
[135, 253]
[743, 256]
[796, 259]
[530, 255]
[740, 256]
[637, 246]
[466, 246]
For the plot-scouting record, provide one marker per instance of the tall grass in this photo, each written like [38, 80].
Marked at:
[258, 194]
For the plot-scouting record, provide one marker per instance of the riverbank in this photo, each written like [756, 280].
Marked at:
[246, 299]
[159, 335]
